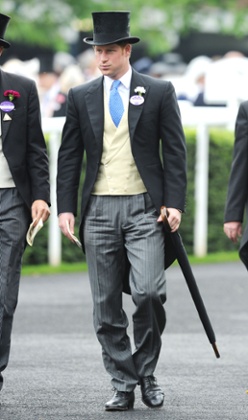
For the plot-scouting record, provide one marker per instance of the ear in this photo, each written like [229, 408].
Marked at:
[128, 49]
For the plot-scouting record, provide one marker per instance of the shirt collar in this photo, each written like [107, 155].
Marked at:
[125, 80]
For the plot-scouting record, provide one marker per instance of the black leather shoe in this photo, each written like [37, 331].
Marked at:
[152, 394]
[120, 401]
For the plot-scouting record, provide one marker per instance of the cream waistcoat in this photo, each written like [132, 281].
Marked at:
[118, 174]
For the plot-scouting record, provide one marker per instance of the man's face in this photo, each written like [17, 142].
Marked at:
[113, 59]
[1, 49]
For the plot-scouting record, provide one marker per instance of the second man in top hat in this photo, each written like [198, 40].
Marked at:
[24, 185]
[129, 127]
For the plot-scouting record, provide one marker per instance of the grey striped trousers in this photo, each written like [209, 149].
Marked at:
[14, 220]
[118, 229]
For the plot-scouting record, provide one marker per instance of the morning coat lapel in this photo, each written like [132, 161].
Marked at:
[134, 111]
[4, 85]
[95, 108]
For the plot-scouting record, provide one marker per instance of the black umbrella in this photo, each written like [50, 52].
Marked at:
[183, 261]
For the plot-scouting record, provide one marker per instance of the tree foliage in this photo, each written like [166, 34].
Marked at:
[159, 23]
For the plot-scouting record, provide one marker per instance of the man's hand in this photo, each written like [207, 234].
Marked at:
[174, 219]
[66, 224]
[40, 210]
[233, 230]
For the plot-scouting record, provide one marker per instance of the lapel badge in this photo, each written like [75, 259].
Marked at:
[7, 106]
[136, 100]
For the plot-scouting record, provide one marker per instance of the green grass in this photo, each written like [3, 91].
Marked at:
[219, 257]
[30, 270]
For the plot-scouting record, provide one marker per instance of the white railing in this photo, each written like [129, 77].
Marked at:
[53, 126]
[201, 118]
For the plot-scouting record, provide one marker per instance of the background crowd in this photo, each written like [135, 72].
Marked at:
[204, 81]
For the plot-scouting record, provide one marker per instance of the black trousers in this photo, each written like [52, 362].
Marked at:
[14, 220]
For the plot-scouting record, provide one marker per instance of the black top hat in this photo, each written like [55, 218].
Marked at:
[111, 28]
[4, 20]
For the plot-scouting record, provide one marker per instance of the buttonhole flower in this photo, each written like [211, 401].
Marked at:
[12, 94]
[140, 90]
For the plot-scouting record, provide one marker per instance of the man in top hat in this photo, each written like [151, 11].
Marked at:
[129, 127]
[237, 191]
[24, 185]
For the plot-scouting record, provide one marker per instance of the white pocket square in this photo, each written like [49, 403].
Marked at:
[7, 117]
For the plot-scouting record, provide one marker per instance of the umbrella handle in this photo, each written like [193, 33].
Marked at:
[164, 214]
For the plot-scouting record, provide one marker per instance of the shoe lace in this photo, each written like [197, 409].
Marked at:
[150, 380]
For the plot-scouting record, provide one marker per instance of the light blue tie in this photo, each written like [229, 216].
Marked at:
[116, 108]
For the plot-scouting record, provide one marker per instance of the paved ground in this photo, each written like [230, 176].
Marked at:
[56, 372]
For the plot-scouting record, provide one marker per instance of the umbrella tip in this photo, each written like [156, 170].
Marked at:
[216, 351]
